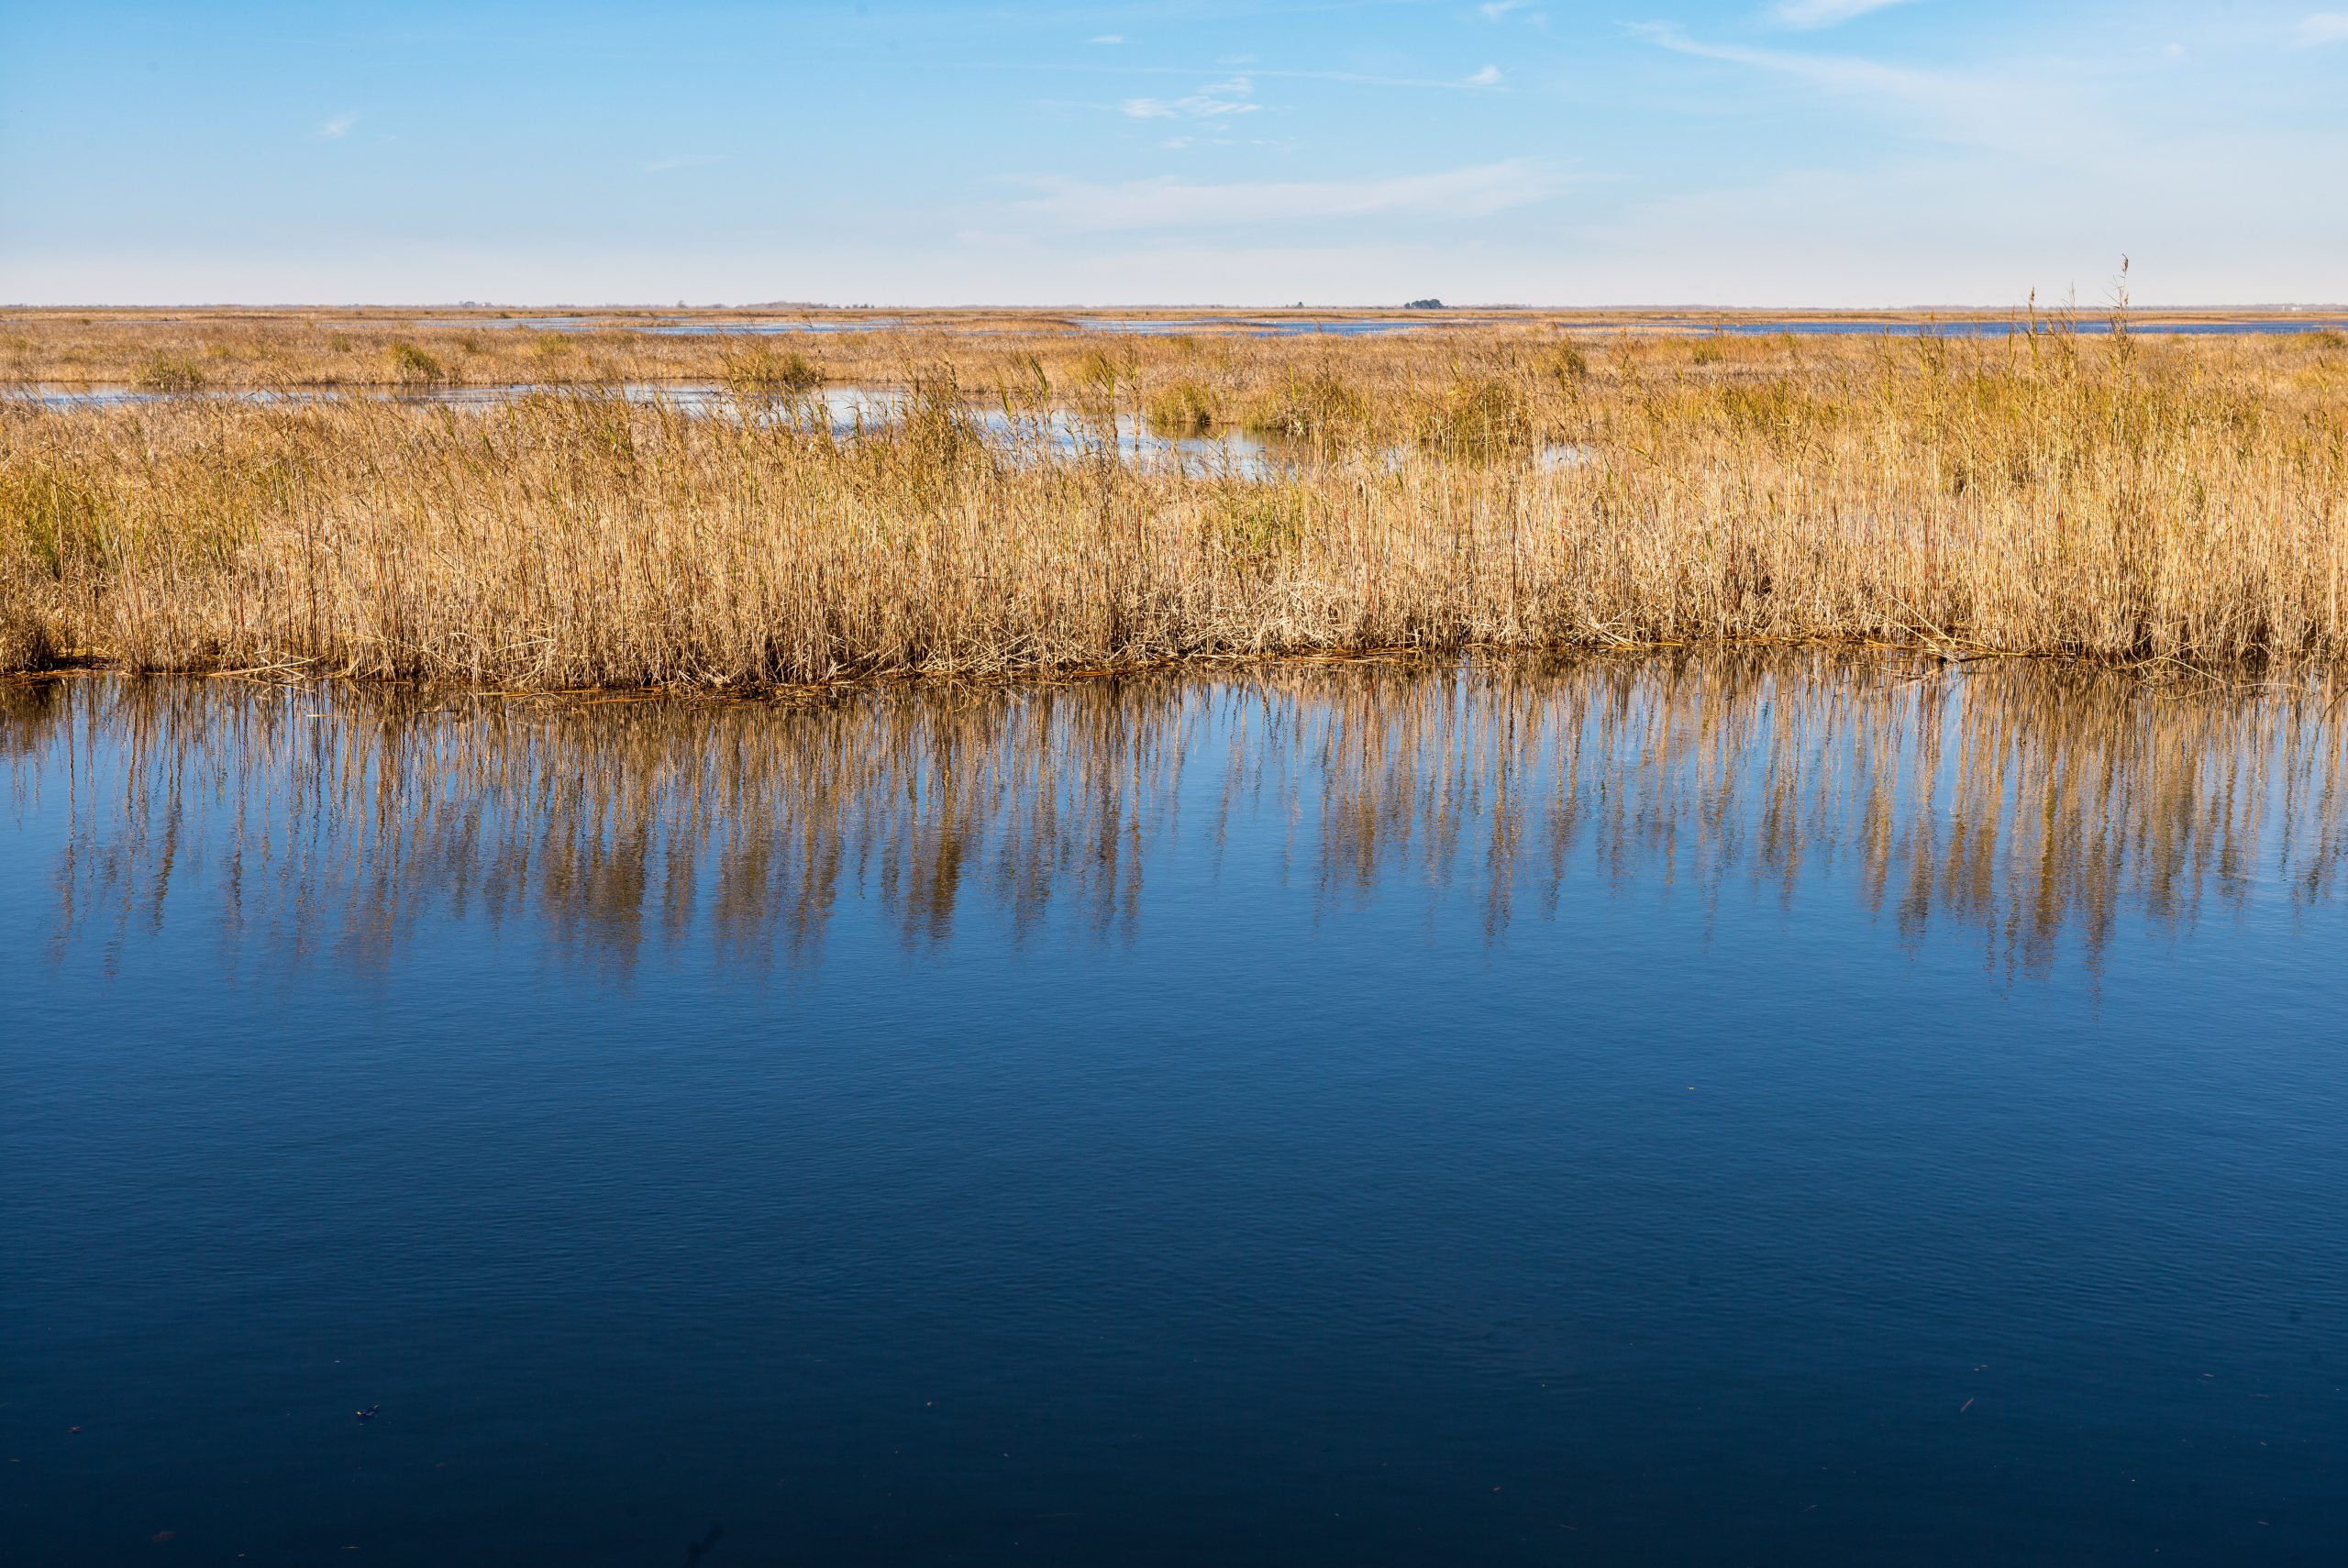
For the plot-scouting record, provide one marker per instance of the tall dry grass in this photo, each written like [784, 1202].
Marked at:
[283, 349]
[2134, 499]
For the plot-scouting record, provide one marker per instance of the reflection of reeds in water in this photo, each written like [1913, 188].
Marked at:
[2023, 802]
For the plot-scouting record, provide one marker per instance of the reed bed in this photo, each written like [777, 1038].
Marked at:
[223, 350]
[2134, 499]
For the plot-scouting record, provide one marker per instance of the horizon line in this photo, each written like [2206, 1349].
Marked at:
[2071, 307]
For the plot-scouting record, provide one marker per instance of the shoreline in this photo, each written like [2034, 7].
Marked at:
[1931, 659]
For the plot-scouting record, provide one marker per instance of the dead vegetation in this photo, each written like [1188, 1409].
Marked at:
[2136, 500]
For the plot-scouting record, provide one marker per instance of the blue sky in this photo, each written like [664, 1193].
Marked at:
[1828, 152]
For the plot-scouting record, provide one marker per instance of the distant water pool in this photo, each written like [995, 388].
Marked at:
[673, 326]
[1283, 327]
[848, 412]
[1253, 326]
[1735, 327]
[1662, 1108]
[2091, 327]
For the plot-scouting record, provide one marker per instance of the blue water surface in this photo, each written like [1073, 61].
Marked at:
[1739, 324]
[1704, 1110]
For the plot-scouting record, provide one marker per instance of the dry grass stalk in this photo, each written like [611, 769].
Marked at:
[2143, 500]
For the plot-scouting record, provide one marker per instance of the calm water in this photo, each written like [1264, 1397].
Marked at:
[2087, 326]
[1360, 326]
[1734, 326]
[1280, 325]
[762, 326]
[673, 326]
[850, 412]
[1711, 1111]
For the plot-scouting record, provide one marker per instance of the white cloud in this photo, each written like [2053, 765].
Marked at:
[1495, 9]
[2013, 111]
[1827, 13]
[1477, 191]
[1105, 38]
[1254, 73]
[337, 128]
[1214, 101]
[2323, 27]
[1488, 77]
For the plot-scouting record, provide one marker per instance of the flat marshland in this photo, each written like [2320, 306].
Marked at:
[2132, 498]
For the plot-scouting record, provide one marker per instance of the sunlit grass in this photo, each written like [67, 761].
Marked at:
[2147, 501]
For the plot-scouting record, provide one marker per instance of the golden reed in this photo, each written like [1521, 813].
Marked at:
[2132, 499]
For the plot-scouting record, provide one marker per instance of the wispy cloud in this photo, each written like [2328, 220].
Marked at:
[1089, 68]
[2008, 111]
[1477, 191]
[1826, 12]
[1488, 77]
[678, 160]
[1105, 38]
[337, 128]
[1494, 10]
[1216, 100]
[2323, 27]
[1835, 71]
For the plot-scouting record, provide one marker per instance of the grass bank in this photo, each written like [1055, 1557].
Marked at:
[2124, 500]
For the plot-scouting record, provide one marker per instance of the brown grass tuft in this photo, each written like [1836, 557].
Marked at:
[762, 368]
[414, 366]
[1184, 408]
[170, 375]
